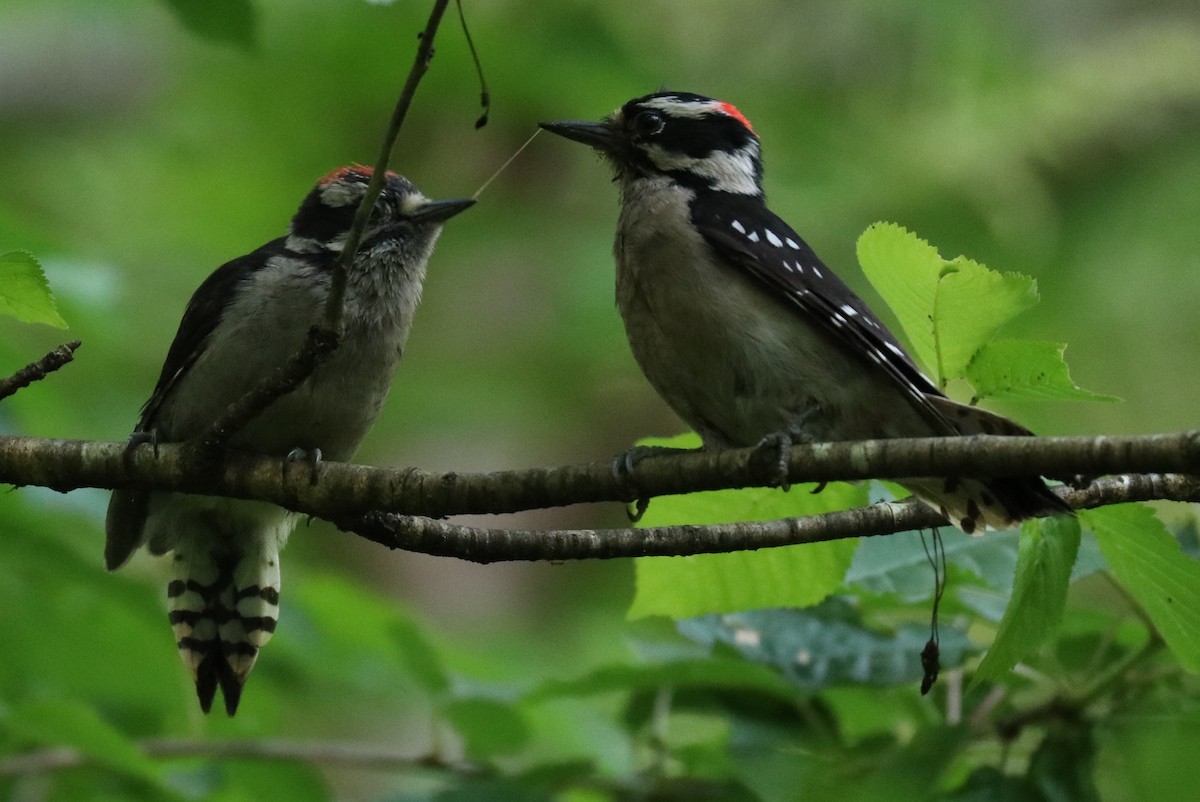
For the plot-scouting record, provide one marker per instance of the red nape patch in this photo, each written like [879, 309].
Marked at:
[366, 171]
[342, 172]
[732, 111]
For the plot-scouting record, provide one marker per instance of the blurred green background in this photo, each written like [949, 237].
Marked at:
[1058, 139]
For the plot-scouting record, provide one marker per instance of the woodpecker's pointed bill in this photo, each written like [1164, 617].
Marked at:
[596, 135]
[440, 211]
[244, 322]
[743, 330]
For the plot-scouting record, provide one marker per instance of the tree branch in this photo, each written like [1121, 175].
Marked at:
[414, 533]
[346, 491]
[36, 371]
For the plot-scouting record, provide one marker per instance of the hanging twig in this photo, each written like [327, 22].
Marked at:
[322, 338]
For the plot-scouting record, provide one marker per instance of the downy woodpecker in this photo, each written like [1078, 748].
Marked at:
[245, 321]
[743, 331]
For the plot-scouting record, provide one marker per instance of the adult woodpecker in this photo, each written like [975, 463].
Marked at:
[743, 331]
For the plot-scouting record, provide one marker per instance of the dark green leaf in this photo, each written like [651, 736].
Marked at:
[897, 564]
[67, 722]
[732, 674]
[1064, 765]
[487, 726]
[1148, 563]
[1045, 557]
[826, 645]
[354, 621]
[990, 784]
[233, 22]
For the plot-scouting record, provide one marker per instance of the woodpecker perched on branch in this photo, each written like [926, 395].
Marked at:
[743, 331]
[245, 321]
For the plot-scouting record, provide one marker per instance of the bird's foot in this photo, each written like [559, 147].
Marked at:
[312, 457]
[772, 457]
[136, 439]
[623, 470]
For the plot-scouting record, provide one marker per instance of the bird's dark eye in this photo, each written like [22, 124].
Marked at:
[648, 123]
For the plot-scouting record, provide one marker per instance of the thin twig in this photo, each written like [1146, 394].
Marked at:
[480, 545]
[36, 371]
[337, 290]
[322, 339]
[347, 754]
[318, 344]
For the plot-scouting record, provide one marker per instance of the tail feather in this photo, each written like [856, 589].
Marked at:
[123, 526]
[224, 607]
[974, 505]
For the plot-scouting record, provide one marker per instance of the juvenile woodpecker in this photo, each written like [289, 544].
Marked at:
[245, 321]
[743, 331]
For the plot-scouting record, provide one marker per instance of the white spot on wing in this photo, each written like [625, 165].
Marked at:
[817, 272]
[849, 310]
[752, 236]
[773, 239]
[738, 227]
[894, 349]
[793, 244]
[788, 267]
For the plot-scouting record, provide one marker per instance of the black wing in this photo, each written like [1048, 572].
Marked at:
[203, 313]
[746, 233]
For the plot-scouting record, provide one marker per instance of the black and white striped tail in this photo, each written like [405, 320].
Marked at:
[224, 607]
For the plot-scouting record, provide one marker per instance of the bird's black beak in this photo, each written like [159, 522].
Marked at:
[440, 211]
[596, 135]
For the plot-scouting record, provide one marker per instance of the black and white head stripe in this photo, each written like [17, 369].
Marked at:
[695, 139]
[745, 233]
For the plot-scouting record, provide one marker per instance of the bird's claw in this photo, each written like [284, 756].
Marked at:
[312, 457]
[773, 454]
[623, 470]
[136, 439]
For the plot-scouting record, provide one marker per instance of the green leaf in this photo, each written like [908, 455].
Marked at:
[1148, 563]
[728, 673]
[24, 291]
[990, 784]
[354, 621]
[230, 21]
[898, 564]
[1025, 369]
[1045, 557]
[487, 726]
[826, 645]
[1064, 764]
[246, 780]
[948, 308]
[68, 722]
[792, 576]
